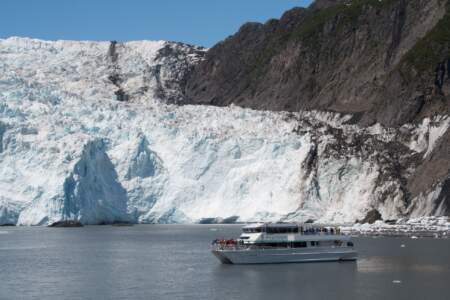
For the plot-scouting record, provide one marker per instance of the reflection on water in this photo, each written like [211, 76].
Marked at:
[174, 262]
[384, 264]
[375, 264]
[429, 268]
[289, 280]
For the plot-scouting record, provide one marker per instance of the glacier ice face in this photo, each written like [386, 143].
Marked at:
[143, 162]
[71, 150]
[97, 70]
[2, 132]
[91, 193]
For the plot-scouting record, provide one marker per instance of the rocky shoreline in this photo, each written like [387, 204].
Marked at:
[423, 227]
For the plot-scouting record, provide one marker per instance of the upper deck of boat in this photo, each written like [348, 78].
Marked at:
[286, 228]
[292, 231]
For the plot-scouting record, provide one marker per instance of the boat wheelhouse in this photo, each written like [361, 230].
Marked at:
[285, 243]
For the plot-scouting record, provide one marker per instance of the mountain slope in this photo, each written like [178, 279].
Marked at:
[383, 61]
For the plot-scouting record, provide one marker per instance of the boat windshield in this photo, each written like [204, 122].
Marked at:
[252, 229]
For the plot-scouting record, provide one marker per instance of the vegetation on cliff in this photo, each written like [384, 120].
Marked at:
[432, 49]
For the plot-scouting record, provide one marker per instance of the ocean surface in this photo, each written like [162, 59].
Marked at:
[174, 262]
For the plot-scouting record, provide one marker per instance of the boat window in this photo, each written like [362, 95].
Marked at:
[244, 237]
[299, 245]
[350, 244]
[252, 230]
[282, 229]
[283, 245]
[326, 243]
[314, 243]
[337, 243]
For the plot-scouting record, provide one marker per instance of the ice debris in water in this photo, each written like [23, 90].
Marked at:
[416, 227]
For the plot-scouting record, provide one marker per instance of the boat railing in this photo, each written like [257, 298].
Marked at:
[300, 230]
[229, 245]
[318, 232]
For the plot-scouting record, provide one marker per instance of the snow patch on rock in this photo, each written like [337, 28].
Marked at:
[426, 135]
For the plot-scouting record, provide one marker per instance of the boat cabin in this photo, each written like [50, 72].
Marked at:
[292, 235]
[286, 228]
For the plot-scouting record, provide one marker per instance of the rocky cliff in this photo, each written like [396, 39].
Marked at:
[383, 61]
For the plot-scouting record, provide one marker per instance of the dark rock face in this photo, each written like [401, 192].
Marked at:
[384, 61]
[115, 77]
[432, 171]
[177, 59]
[444, 196]
[371, 217]
[165, 79]
[321, 4]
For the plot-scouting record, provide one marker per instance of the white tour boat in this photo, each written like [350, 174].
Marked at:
[285, 243]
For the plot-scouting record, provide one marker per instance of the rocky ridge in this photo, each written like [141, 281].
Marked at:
[382, 61]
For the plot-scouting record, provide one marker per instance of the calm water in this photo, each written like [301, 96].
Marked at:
[173, 262]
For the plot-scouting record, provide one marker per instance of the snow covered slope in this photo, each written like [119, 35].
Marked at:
[87, 132]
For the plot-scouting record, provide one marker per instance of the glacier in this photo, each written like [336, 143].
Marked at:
[94, 132]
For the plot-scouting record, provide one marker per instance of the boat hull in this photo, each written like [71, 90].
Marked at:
[290, 255]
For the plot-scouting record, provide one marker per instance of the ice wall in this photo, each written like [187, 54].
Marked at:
[70, 149]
